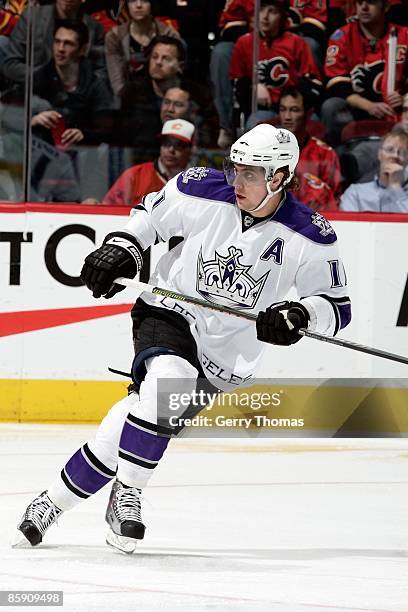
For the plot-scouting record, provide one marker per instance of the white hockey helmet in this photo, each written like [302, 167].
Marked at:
[268, 147]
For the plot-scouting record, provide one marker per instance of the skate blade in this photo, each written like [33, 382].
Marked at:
[19, 540]
[122, 543]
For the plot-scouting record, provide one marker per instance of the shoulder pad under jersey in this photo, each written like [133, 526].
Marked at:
[303, 220]
[205, 183]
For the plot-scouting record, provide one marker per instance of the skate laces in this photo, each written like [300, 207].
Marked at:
[42, 512]
[127, 504]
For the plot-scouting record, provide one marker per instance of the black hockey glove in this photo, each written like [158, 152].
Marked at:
[280, 322]
[119, 255]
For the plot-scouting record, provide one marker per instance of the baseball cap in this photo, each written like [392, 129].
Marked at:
[178, 128]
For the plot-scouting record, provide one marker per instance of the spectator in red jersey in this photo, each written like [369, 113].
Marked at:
[307, 18]
[358, 66]
[125, 44]
[175, 153]
[318, 170]
[284, 59]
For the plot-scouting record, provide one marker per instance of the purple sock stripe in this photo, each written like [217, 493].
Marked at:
[141, 443]
[83, 475]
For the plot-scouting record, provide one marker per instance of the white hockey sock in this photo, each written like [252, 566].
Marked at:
[94, 464]
[143, 441]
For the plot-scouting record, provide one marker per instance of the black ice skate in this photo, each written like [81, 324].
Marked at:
[37, 518]
[124, 517]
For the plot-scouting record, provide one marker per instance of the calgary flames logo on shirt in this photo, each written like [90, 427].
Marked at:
[366, 78]
[274, 72]
[225, 281]
[313, 180]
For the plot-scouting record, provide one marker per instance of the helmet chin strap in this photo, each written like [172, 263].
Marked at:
[266, 198]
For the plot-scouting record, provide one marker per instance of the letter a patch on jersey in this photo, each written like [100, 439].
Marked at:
[275, 250]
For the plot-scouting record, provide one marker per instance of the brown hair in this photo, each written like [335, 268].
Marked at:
[293, 184]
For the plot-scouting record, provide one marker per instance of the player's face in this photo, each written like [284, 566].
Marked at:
[175, 104]
[270, 18]
[164, 62]
[174, 153]
[139, 9]
[66, 47]
[292, 113]
[249, 185]
[370, 11]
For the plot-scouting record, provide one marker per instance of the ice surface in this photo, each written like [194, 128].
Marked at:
[231, 525]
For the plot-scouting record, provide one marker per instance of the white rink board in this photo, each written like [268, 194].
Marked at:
[374, 254]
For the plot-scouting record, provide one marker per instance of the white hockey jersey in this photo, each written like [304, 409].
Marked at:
[228, 258]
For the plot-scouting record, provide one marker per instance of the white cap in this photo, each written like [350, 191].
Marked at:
[178, 128]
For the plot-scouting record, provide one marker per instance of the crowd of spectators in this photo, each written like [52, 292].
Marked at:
[126, 93]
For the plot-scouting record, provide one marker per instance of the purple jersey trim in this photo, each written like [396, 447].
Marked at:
[210, 185]
[303, 220]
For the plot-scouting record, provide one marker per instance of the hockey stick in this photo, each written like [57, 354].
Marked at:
[128, 282]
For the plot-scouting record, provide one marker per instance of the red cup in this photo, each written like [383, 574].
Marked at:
[57, 133]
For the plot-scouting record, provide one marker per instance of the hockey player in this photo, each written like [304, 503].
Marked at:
[247, 243]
